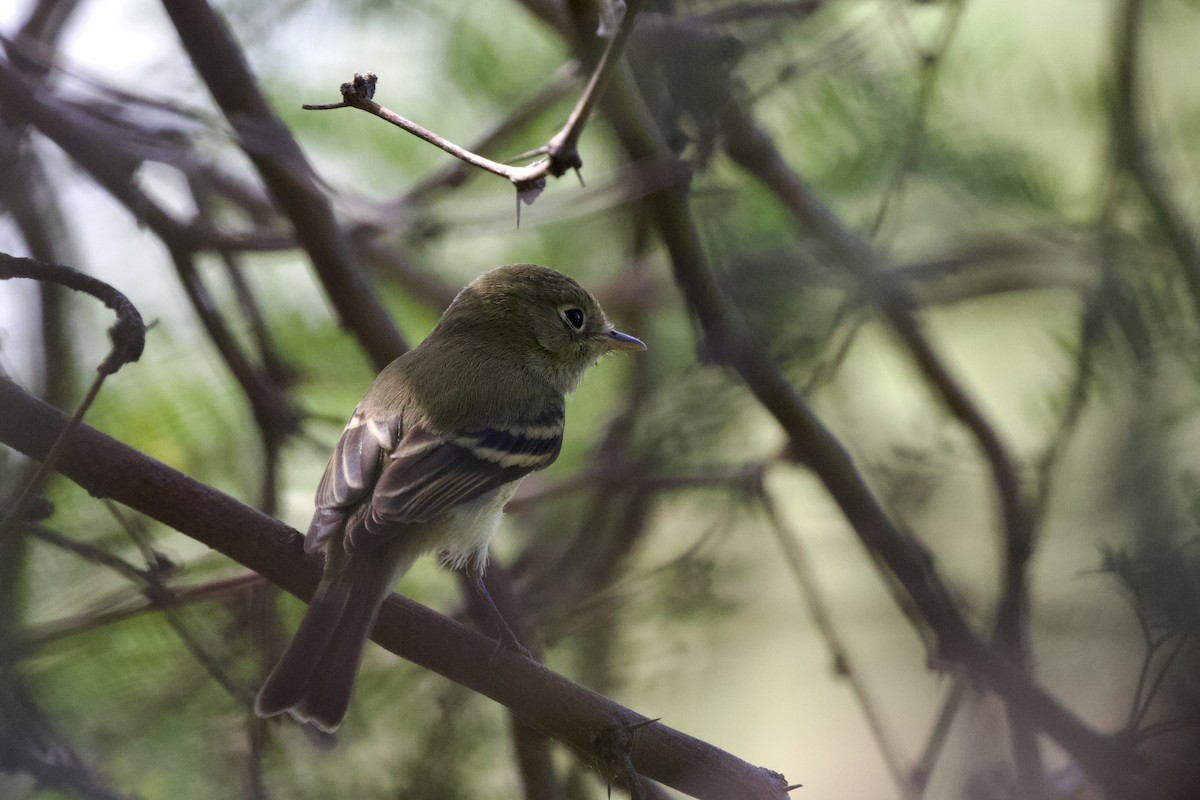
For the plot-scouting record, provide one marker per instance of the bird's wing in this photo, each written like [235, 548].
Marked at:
[351, 474]
[429, 473]
[380, 484]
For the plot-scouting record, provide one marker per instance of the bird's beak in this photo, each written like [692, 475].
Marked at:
[615, 340]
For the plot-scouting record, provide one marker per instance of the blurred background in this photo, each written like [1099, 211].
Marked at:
[1026, 171]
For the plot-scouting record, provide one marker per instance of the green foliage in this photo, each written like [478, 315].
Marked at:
[642, 570]
[1162, 580]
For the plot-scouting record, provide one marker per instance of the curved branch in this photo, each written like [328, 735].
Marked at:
[128, 333]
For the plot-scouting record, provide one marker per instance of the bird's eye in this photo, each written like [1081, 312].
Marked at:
[574, 317]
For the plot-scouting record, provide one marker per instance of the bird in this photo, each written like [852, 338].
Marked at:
[429, 458]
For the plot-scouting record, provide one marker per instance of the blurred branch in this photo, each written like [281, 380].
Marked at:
[101, 149]
[1091, 328]
[535, 762]
[742, 12]
[930, 65]
[1145, 693]
[541, 698]
[35, 638]
[153, 578]
[287, 174]
[421, 286]
[33, 202]
[115, 173]
[277, 369]
[752, 148]
[161, 596]
[29, 196]
[611, 523]
[1168, 726]
[1133, 150]
[939, 734]
[31, 743]
[802, 571]
[277, 372]
[274, 414]
[1112, 766]
[89, 553]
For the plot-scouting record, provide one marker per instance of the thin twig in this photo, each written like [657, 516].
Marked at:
[41, 636]
[1168, 726]
[561, 151]
[930, 65]
[797, 560]
[939, 734]
[454, 173]
[161, 595]
[274, 415]
[1180, 643]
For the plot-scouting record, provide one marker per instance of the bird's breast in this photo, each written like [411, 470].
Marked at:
[467, 529]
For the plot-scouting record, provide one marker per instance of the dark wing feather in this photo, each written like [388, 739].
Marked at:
[430, 473]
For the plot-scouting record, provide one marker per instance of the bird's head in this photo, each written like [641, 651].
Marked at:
[544, 318]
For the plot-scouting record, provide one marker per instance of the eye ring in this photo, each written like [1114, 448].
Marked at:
[573, 317]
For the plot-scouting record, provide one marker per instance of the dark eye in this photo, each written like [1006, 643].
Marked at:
[574, 317]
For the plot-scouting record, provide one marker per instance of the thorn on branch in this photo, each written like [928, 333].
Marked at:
[564, 159]
[528, 191]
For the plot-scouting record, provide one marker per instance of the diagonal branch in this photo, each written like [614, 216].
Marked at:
[287, 174]
[540, 698]
[904, 555]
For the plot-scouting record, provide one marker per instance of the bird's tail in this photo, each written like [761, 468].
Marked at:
[314, 678]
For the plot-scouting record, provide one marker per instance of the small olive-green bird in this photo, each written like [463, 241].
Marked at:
[433, 452]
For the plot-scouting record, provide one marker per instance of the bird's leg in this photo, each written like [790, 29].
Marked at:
[507, 637]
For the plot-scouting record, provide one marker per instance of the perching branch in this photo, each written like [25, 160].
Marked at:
[539, 697]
